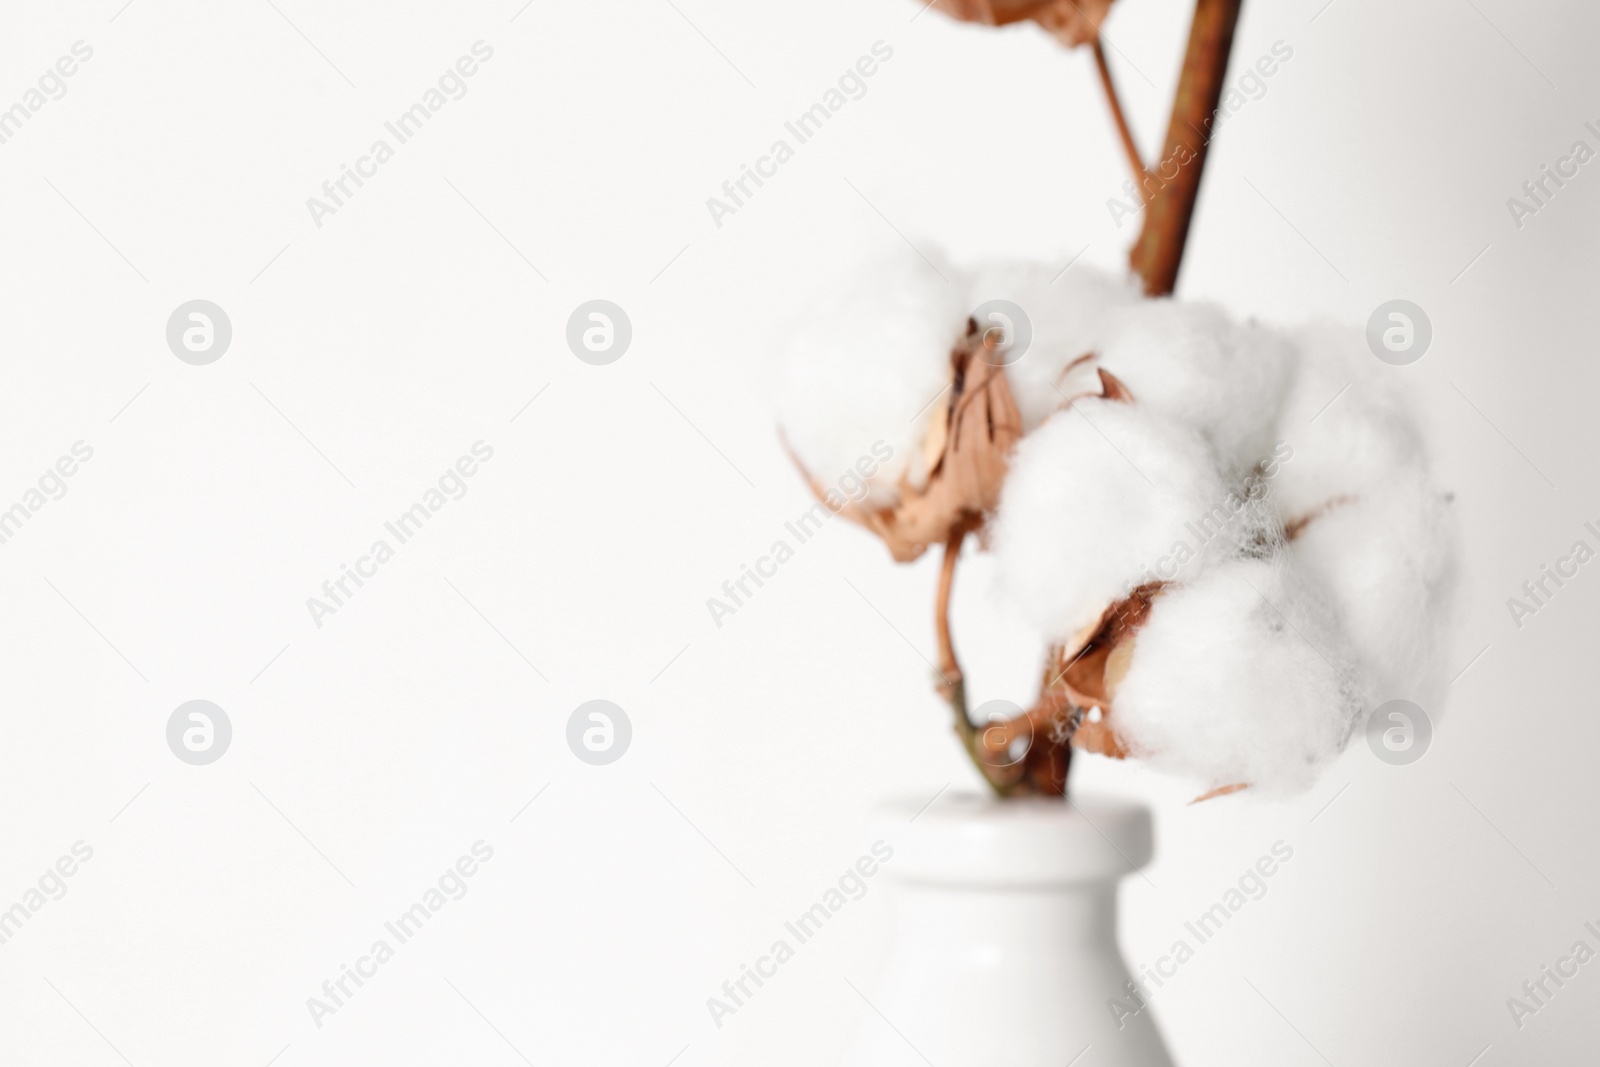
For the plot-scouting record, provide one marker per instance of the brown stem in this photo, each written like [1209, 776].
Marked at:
[1042, 770]
[952, 684]
[1170, 200]
[1134, 162]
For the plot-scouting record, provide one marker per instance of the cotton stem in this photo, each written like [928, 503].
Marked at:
[1170, 200]
[1114, 102]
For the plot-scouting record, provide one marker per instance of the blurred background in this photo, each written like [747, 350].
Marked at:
[374, 346]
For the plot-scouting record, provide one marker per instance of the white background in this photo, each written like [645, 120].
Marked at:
[421, 718]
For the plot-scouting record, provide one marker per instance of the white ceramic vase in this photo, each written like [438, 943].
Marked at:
[1005, 941]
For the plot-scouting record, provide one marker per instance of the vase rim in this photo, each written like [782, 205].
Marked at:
[968, 839]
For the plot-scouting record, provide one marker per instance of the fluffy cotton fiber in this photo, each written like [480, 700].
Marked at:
[1349, 423]
[1193, 364]
[1190, 363]
[1322, 595]
[864, 367]
[1377, 531]
[1093, 499]
[1238, 678]
[1388, 559]
[1070, 314]
[1305, 592]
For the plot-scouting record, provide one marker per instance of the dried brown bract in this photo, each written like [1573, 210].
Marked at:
[967, 445]
[1071, 23]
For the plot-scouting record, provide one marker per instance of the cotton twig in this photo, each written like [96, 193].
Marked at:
[1129, 146]
[1169, 207]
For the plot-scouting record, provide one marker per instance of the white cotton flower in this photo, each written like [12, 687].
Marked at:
[1388, 561]
[864, 367]
[1350, 424]
[1194, 364]
[1068, 315]
[1370, 523]
[1094, 498]
[1271, 487]
[1239, 677]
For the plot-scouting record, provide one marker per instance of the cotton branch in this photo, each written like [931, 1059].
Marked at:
[1119, 117]
[977, 473]
[1170, 205]
[952, 685]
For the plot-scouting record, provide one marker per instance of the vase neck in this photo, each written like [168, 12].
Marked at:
[1016, 845]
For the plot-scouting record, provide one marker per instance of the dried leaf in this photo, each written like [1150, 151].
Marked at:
[970, 440]
[1087, 357]
[1072, 22]
[1080, 678]
[1106, 385]
[1117, 663]
[1089, 666]
[1084, 673]
[1221, 791]
[937, 437]
[1113, 388]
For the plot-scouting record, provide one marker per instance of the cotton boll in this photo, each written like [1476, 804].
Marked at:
[1388, 561]
[1347, 419]
[1238, 677]
[1241, 524]
[1068, 313]
[1093, 499]
[865, 366]
[1193, 363]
